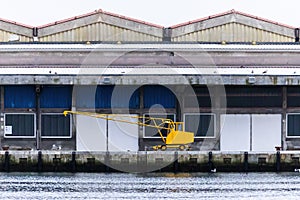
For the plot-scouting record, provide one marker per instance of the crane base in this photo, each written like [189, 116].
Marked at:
[164, 147]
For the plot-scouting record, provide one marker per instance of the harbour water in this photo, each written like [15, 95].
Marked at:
[150, 186]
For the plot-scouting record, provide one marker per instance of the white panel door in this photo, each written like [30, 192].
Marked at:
[235, 132]
[123, 136]
[266, 132]
[90, 134]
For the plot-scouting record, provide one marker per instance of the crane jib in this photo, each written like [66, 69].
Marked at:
[176, 136]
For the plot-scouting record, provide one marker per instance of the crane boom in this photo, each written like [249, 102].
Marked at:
[174, 137]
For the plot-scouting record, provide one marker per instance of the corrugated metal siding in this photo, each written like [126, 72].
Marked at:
[19, 96]
[158, 95]
[293, 96]
[99, 32]
[56, 97]
[253, 97]
[5, 36]
[233, 32]
[103, 96]
[112, 97]
[85, 96]
[203, 97]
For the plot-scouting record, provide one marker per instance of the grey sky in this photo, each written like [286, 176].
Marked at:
[162, 12]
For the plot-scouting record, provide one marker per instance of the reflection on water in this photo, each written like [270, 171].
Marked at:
[150, 186]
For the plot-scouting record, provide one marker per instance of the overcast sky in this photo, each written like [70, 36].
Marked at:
[162, 12]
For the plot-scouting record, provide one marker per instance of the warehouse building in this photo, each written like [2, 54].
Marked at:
[232, 78]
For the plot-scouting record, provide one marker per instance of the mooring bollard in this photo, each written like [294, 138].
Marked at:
[211, 167]
[107, 162]
[6, 161]
[245, 161]
[278, 161]
[73, 162]
[175, 164]
[40, 162]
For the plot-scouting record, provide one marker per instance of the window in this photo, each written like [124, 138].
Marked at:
[152, 132]
[203, 125]
[56, 126]
[19, 125]
[293, 125]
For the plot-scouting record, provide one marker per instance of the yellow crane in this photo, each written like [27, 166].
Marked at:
[176, 136]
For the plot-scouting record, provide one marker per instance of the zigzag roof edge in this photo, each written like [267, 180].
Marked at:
[228, 13]
[97, 12]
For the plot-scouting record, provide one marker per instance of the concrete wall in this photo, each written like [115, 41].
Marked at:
[67, 161]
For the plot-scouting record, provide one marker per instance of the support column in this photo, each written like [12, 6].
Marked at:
[251, 133]
[2, 116]
[38, 117]
[284, 119]
[180, 92]
[141, 145]
[217, 110]
[74, 117]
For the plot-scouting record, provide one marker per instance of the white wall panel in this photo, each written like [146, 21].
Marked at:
[123, 136]
[266, 132]
[90, 134]
[235, 132]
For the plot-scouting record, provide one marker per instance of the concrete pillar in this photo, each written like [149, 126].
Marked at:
[217, 110]
[140, 140]
[179, 93]
[73, 117]
[284, 119]
[2, 116]
[38, 117]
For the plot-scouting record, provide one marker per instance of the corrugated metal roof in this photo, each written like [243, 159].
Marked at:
[227, 13]
[234, 31]
[97, 12]
[15, 23]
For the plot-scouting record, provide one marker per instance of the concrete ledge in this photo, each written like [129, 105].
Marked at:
[148, 161]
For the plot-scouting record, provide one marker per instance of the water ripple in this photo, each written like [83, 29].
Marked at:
[149, 186]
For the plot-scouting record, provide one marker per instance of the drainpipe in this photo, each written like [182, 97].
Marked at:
[35, 34]
[296, 34]
[38, 117]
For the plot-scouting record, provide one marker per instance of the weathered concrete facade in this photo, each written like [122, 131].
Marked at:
[233, 69]
[219, 68]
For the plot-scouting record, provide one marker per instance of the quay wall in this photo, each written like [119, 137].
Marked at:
[148, 161]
